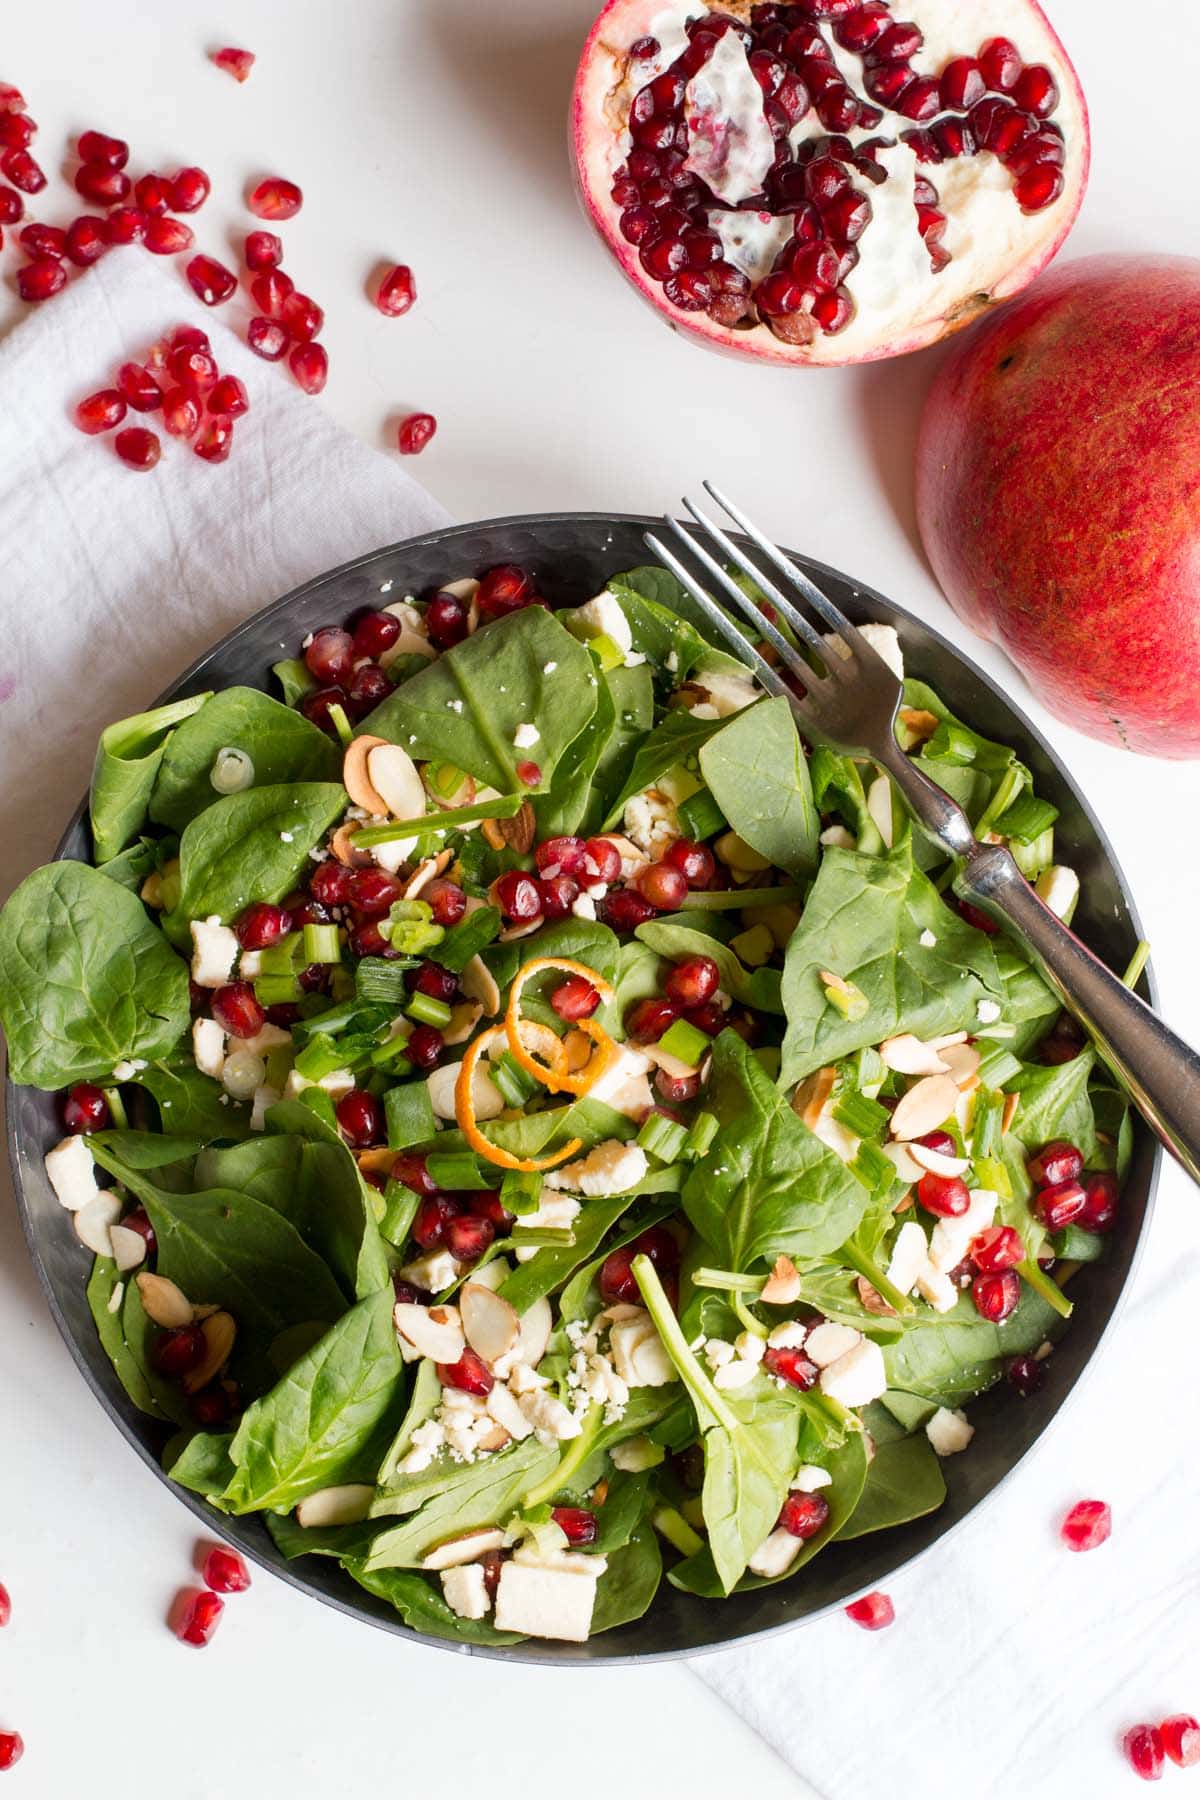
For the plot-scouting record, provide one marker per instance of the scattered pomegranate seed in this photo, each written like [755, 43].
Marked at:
[1026, 1375]
[996, 1249]
[415, 432]
[225, 1572]
[139, 1220]
[138, 387]
[309, 363]
[695, 862]
[978, 919]
[40, 279]
[126, 225]
[100, 412]
[504, 589]
[215, 440]
[270, 290]
[11, 98]
[198, 1615]
[138, 447]
[432, 1217]
[210, 280]
[663, 885]
[447, 900]
[237, 1009]
[432, 979]
[275, 198]
[12, 1749]
[467, 1237]
[86, 240]
[152, 193]
[262, 925]
[23, 171]
[43, 240]
[692, 981]
[12, 207]
[1060, 1205]
[268, 339]
[803, 1515]
[529, 774]
[625, 910]
[229, 398]
[373, 890]
[167, 237]
[17, 130]
[872, 1612]
[996, 1296]
[181, 413]
[792, 1366]
[98, 147]
[601, 860]
[1143, 1746]
[189, 190]
[617, 1282]
[1100, 1203]
[446, 621]
[397, 291]
[211, 1407]
[99, 183]
[578, 1525]
[470, 1373]
[518, 897]
[360, 1118]
[1087, 1525]
[263, 250]
[5, 1606]
[647, 1020]
[237, 63]
[1180, 1739]
[303, 317]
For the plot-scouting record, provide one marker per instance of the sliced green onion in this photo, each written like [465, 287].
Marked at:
[282, 958]
[844, 996]
[1137, 963]
[399, 1210]
[392, 1055]
[452, 1169]
[991, 1173]
[998, 1067]
[378, 979]
[662, 1137]
[863, 1117]
[409, 927]
[607, 651]
[733, 899]
[444, 779]
[700, 1137]
[320, 1056]
[1008, 791]
[322, 944]
[467, 939]
[515, 1086]
[873, 1168]
[1043, 1286]
[724, 1281]
[409, 1115]
[700, 816]
[116, 1108]
[426, 1010]
[277, 990]
[870, 1070]
[341, 724]
[686, 1042]
[521, 1191]
[670, 1523]
[1026, 819]
[985, 1126]
[504, 806]
[951, 743]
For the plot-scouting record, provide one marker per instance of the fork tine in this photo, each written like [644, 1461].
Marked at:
[736, 554]
[744, 604]
[708, 606]
[832, 614]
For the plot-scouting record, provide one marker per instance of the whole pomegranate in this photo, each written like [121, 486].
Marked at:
[1058, 475]
[831, 181]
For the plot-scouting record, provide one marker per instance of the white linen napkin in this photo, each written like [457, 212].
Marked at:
[114, 580]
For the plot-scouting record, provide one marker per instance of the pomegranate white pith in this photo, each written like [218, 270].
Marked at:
[829, 182]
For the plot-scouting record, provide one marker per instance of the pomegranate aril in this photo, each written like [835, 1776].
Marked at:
[189, 190]
[833, 311]
[43, 240]
[275, 198]
[847, 217]
[576, 998]
[779, 295]
[177, 1352]
[17, 130]
[1056, 1161]
[618, 1285]
[39, 279]
[946, 1196]
[695, 862]
[329, 884]
[518, 898]
[237, 63]
[690, 290]
[1143, 1747]
[396, 292]
[139, 387]
[12, 207]
[126, 225]
[137, 447]
[262, 925]
[996, 1249]
[693, 981]
[5, 1606]
[578, 1525]
[215, 440]
[676, 1089]
[225, 1572]
[12, 1749]
[954, 137]
[1060, 1204]
[887, 82]
[237, 1010]
[98, 147]
[100, 412]
[309, 363]
[85, 1108]
[268, 339]
[316, 707]
[872, 1612]
[446, 621]
[271, 290]
[859, 29]
[961, 83]
[470, 1374]
[979, 920]
[303, 317]
[601, 861]
[198, 1617]
[210, 280]
[1000, 64]
[1180, 1739]
[1087, 1525]
[168, 237]
[153, 193]
[373, 891]
[996, 1296]
[1039, 188]
[625, 910]
[102, 185]
[791, 1365]
[559, 856]
[1100, 1203]
[415, 432]
[1036, 91]
[1026, 1375]
[181, 412]
[803, 1515]
[360, 1118]
[920, 100]
[263, 250]
[228, 397]
[467, 1237]
[647, 1020]
[23, 171]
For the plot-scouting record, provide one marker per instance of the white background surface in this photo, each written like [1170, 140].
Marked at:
[432, 132]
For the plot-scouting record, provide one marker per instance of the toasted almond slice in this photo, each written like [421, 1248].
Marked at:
[1011, 1103]
[872, 1300]
[356, 777]
[810, 1098]
[94, 1221]
[927, 1104]
[906, 1168]
[503, 1406]
[441, 1339]
[578, 1047]
[409, 643]
[674, 1066]
[375, 1162]
[490, 1324]
[344, 850]
[463, 1019]
[963, 1061]
[918, 723]
[516, 833]
[879, 805]
[392, 772]
[425, 872]
[468, 1547]
[935, 1162]
[163, 1303]
[219, 1334]
[909, 1056]
[782, 1286]
[128, 1247]
[344, 1505]
[536, 1325]
[512, 932]
[478, 983]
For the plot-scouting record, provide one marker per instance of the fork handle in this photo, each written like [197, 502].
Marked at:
[1157, 1069]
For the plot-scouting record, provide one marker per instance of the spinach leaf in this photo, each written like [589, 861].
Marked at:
[561, 811]
[307, 1432]
[294, 679]
[580, 1296]
[838, 788]
[346, 1542]
[200, 1460]
[758, 774]
[630, 1582]
[553, 1265]
[632, 693]
[904, 1481]
[759, 988]
[665, 621]
[674, 739]
[637, 978]
[466, 707]
[250, 846]
[471, 1495]
[191, 1103]
[958, 1355]
[864, 921]
[132, 866]
[86, 980]
[123, 1334]
[283, 746]
[768, 1186]
[1055, 1103]
[423, 1401]
[420, 1604]
[127, 761]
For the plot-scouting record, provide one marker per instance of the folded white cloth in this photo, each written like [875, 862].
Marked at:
[114, 580]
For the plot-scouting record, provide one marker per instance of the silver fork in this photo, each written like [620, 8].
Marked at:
[852, 707]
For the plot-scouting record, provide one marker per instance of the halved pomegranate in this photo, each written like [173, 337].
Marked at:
[832, 181]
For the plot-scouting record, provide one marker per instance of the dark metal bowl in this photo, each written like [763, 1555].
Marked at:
[573, 554]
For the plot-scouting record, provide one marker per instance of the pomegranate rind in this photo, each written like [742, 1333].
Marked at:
[606, 82]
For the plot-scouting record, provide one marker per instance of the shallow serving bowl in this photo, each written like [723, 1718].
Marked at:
[573, 554]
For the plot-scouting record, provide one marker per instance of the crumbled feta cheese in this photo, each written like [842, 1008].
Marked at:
[124, 1070]
[809, 1477]
[432, 1272]
[750, 1347]
[601, 617]
[550, 1419]
[638, 1352]
[208, 1047]
[525, 737]
[547, 1602]
[554, 1213]
[265, 1097]
[611, 1168]
[72, 1173]
[465, 1591]
[828, 1341]
[927, 939]
[884, 641]
[788, 1336]
[718, 1352]
[937, 1288]
[858, 1377]
[952, 1238]
[736, 1374]
[214, 952]
[728, 693]
[910, 1253]
[987, 1012]
[502, 1406]
[625, 1086]
[836, 837]
[525, 1380]
[949, 1432]
[776, 1554]
[652, 822]
[287, 837]
[549, 668]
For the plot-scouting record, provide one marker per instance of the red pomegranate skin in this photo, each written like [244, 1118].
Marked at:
[1058, 494]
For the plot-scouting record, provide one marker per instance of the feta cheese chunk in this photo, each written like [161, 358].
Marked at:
[788, 1336]
[556, 1212]
[208, 1047]
[910, 1253]
[214, 952]
[525, 737]
[937, 1288]
[949, 1432]
[72, 1173]
[809, 1477]
[776, 1554]
[857, 1377]
[602, 617]
[625, 1086]
[547, 1602]
[465, 1591]
[637, 1352]
[611, 1168]
[827, 1342]
[432, 1272]
[551, 1420]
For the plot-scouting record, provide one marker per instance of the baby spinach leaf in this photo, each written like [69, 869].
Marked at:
[561, 811]
[191, 1103]
[307, 1432]
[838, 788]
[133, 865]
[665, 621]
[632, 693]
[864, 921]
[903, 1481]
[127, 760]
[958, 1355]
[768, 1186]
[580, 1296]
[423, 1402]
[474, 1494]
[674, 739]
[200, 1460]
[465, 708]
[86, 980]
[250, 846]
[1055, 1103]
[758, 774]
[123, 1334]
[759, 988]
[553, 1265]
[422, 1607]
[282, 745]
[630, 1582]
[345, 1542]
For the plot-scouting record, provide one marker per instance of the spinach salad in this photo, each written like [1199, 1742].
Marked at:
[542, 1128]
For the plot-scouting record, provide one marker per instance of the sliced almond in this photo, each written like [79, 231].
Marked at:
[468, 1547]
[409, 643]
[918, 724]
[536, 1325]
[375, 1162]
[579, 1047]
[935, 1162]
[392, 773]
[478, 983]
[128, 1247]
[963, 1061]
[872, 1300]
[907, 1055]
[495, 1437]
[344, 850]
[503, 1406]
[439, 1338]
[674, 1066]
[905, 1167]
[356, 778]
[219, 1334]
[425, 872]
[948, 1038]
[782, 1286]
[512, 932]
[1011, 1103]
[344, 1505]
[463, 1019]
[94, 1222]
[163, 1303]
[516, 833]
[927, 1104]
[810, 1098]
[490, 1324]
[879, 805]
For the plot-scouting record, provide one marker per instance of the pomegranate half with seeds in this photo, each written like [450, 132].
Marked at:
[833, 181]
